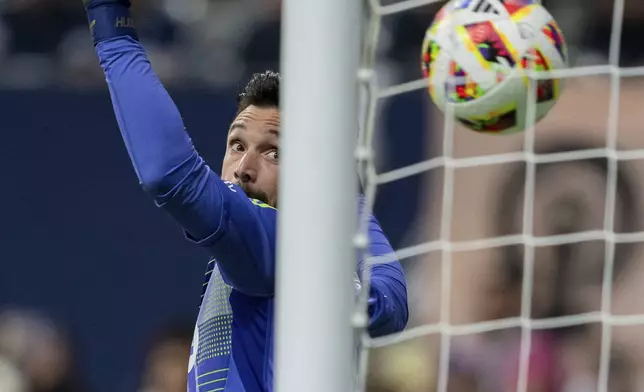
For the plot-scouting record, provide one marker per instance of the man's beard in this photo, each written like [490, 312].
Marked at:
[255, 194]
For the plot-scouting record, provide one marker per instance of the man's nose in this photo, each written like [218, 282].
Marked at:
[247, 168]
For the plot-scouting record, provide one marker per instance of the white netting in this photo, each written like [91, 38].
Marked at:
[447, 247]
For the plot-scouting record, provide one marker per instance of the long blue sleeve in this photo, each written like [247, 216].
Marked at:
[388, 308]
[214, 213]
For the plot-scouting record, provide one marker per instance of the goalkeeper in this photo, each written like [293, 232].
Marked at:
[233, 215]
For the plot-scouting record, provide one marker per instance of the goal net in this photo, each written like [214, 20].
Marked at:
[525, 272]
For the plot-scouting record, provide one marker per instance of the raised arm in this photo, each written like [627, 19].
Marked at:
[213, 213]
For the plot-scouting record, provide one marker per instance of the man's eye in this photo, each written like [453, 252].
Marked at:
[236, 146]
[273, 154]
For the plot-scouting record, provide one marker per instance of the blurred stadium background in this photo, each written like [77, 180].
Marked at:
[99, 291]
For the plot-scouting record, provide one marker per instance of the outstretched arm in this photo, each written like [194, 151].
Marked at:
[388, 309]
[213, 213]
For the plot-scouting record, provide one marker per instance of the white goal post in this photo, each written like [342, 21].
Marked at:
[314, 346]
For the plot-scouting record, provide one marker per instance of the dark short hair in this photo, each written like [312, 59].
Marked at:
[263, 90]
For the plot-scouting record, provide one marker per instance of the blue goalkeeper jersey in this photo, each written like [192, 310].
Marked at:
[232, 347]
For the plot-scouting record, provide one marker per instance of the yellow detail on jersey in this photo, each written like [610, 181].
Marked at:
[261, 204]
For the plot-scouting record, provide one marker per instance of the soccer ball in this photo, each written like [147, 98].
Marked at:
[475, 55]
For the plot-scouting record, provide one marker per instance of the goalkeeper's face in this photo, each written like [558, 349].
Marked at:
[252, 159]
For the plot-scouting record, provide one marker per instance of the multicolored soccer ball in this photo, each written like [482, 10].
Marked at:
[475, 56]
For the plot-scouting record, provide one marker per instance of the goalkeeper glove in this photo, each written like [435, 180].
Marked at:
[109, 19]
